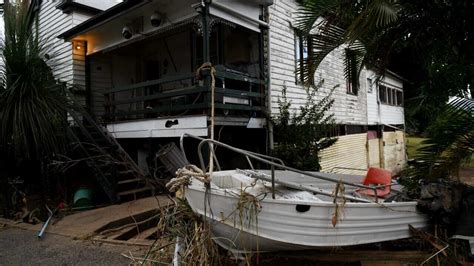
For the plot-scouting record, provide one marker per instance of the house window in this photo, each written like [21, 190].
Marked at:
[399, 98]
[369, 85]
[383, 94]
[390, 96]
[303, 46]
[351, 72]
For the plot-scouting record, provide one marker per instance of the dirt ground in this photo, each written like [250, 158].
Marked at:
[22, 247]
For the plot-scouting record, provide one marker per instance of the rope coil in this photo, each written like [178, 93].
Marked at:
[183, 177]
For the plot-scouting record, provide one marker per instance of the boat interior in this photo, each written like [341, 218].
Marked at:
[235, 181]
[289, 183]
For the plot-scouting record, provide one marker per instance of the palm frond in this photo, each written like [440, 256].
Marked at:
[378, 14]
[354, 57]
[324, 41]
[450, 142]
[311, 10]
[358, 24]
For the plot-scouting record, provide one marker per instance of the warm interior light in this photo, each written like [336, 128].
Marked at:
[77, 45]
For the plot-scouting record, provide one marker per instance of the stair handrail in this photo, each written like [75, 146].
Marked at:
[107, 136]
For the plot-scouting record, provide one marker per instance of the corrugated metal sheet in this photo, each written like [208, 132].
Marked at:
[349, 151]
[394, 150]
[374, 152]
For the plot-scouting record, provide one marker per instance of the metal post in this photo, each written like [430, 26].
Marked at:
[205, 32]
[273, 181]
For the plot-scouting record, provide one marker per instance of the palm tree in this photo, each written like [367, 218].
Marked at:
[33, 105]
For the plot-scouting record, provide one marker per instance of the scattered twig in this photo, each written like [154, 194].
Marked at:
[428, 238]
[138, 260]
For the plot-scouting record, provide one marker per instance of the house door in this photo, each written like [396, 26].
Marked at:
[373, 149]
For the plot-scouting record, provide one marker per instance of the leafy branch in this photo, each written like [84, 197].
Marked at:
[301, 133]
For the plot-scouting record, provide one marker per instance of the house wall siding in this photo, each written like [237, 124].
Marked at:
[373, 105]
[392, 115]
[79, 74]
[51, 23]
[347, 108]
[378, 113]
[99, 4]
[66, 62]
[79, 17]
[100, 80]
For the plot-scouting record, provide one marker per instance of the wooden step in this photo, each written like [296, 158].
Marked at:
[134, 191]
[147, 234]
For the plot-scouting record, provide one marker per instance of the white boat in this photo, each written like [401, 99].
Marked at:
[245, 217]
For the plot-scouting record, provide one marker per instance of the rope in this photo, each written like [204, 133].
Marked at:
[183, 177]
[208, 66]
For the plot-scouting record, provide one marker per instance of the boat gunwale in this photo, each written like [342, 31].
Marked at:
[226, 193]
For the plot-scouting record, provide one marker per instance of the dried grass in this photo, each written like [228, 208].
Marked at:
[180, 222]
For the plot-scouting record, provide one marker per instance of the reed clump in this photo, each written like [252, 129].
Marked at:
[180, 224]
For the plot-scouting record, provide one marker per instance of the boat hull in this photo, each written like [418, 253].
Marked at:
[278, 224]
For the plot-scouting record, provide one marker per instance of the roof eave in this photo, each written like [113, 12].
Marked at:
[68, 6]
[101, 18]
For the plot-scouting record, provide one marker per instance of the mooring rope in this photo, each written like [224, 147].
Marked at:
[208, 66]
[183, 177]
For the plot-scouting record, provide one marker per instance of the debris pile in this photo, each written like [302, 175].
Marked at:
[450, 204]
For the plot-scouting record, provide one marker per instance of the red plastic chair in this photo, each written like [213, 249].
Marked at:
[377, 177]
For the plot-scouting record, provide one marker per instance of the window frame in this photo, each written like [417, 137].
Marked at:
[370, 85]
[303, 47]
[393, 96]
[350, 89]
[350, 83]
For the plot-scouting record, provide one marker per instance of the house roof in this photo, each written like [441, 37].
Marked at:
[69, 5]
[101, 18]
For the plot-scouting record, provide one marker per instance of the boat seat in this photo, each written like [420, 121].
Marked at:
[377, 177]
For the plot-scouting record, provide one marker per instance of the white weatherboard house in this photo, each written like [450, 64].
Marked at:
[133, 64]
[371, 116]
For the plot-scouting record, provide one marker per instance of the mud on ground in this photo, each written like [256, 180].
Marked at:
[22, 247]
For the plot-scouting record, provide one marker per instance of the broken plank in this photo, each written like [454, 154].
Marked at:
[147, 233]
[359, 255]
